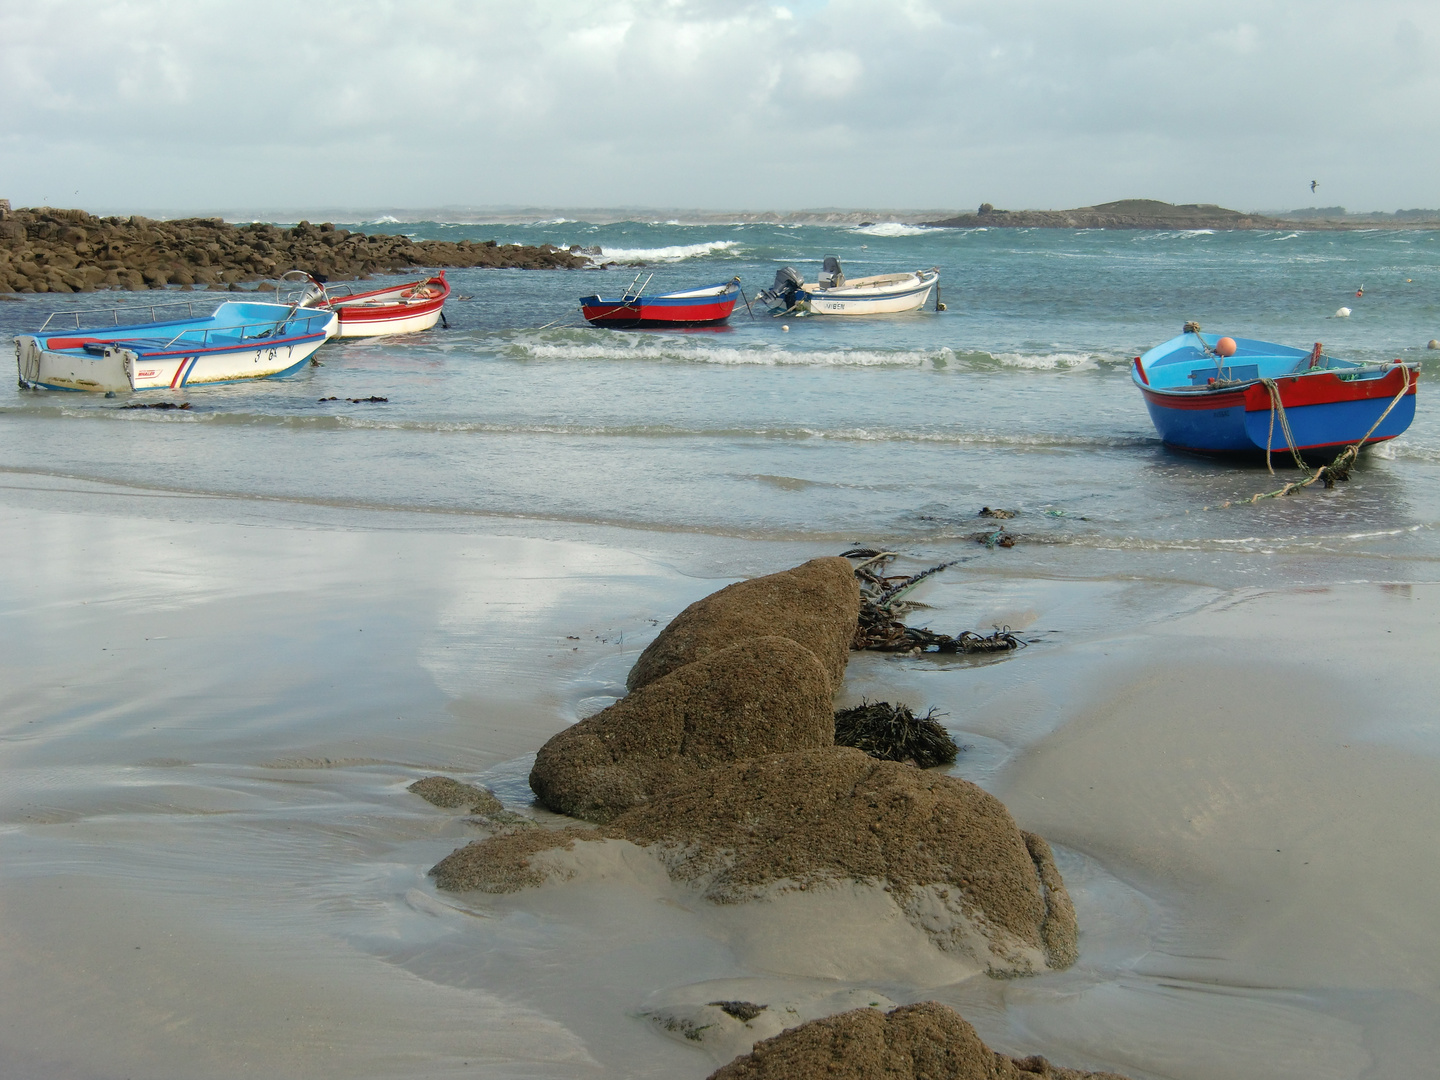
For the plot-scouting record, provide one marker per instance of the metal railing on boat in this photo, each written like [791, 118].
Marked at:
[133, 314]
[273, 329]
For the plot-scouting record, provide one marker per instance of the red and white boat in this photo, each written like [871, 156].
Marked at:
[400, 309]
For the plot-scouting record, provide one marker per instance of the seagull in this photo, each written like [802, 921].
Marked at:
[1313, 185]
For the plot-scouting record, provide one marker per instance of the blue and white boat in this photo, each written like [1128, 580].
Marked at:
[1238, 395]
[93, 350]
[834, 294]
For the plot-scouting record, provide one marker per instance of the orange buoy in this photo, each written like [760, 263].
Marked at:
[1225, 346]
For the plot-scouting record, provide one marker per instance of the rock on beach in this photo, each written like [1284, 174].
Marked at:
[449, 793]
[816, 604]
[926, 1041]
[949, 854]
[761, 696]
[66, 251]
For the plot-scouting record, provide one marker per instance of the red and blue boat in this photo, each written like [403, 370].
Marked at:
[633, 310]
[1224, 395]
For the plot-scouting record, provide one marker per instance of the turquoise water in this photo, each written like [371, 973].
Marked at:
[890, 429]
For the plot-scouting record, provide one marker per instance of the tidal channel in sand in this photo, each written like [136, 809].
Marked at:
[210, 866]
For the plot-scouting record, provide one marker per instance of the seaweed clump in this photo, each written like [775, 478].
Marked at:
[895, 733]
[744, 1011]
[883, 607]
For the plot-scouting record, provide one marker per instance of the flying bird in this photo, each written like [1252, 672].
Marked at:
[1313, 185]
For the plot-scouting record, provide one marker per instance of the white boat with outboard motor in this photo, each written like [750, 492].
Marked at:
[835, 294]
[94, 350]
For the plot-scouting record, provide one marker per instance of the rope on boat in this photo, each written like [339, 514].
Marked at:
[744, 297]
[1338, 469]
[1278, 406]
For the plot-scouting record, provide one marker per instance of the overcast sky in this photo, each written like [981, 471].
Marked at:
[207, 105]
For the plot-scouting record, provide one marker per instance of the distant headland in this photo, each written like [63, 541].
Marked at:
[1153, 214]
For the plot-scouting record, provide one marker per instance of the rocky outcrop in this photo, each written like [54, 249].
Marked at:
[1125, 214]
[949, 855]
[507, 863]
[816, 605]
[65, 251]
[762, 696]
[927, 1041]
[443, 791]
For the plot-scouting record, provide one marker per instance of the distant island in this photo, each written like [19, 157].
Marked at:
[1153, 214]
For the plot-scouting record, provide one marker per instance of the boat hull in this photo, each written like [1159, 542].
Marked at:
[703, 308]
[404, 309]
[358, 323]
[843, 302]
[1325, 413]
[117, 359]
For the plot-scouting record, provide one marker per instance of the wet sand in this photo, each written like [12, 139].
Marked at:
[209, 863]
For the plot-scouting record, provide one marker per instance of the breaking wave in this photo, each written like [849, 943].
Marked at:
[892, 228]
[676, 253]
[671, 350]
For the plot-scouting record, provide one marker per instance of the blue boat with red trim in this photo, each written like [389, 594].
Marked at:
[694, 307]
[1234, 395]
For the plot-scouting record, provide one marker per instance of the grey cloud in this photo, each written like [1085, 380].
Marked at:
[923, 103]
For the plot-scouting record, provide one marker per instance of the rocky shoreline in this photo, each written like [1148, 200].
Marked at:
[68, 251]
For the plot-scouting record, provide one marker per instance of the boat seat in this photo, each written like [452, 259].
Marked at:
[1201, 376]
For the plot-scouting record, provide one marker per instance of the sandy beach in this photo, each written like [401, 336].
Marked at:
[209, 863]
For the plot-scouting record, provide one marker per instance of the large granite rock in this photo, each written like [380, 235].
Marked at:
[927, 1041]
[764, 695]
[816, 605]
[947, 854]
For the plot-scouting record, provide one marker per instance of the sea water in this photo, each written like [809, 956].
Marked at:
[233, 634]
[900, 429]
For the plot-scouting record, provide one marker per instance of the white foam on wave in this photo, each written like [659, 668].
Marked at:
[701, 353]
[383, 219]
[1291, 236]
[669, 349]
[892, 228]
[674, 253]
[1405, 450]
[1048, 361]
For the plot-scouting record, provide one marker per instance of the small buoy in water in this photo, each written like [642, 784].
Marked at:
[1360, 291]
[784, 328]
[1434, 343]
[1343, 313]
[1225, 346]
[940, 307]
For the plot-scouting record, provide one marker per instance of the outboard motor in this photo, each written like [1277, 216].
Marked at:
[831, 276]
[783, 293]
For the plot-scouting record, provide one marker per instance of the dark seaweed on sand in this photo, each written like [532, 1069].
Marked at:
[894, 733]
[882, 608]
[744, 1011]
